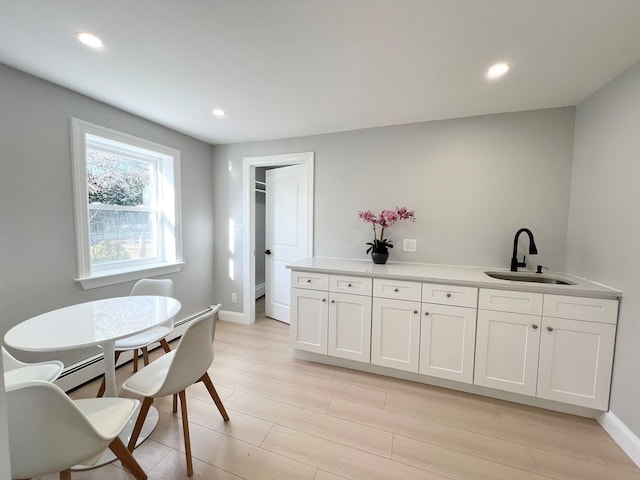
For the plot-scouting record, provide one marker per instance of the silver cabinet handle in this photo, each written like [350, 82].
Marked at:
[396, 290]
[426, 313]
[534, 326]
[324, 299]
[550, 329]
[333, 301]
[308, 280]
[349, 285]
[415, 312]
[448, 295]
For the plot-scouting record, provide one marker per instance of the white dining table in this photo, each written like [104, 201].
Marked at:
[96, 323]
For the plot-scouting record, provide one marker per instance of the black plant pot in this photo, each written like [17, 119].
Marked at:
[379, 258]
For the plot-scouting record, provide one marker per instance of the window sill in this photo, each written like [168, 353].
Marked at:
[112, 278]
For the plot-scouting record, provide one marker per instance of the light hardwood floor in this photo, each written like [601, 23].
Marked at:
[291, 419]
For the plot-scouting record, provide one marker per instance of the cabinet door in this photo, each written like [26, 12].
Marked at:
[309, 319]
[395, 334]
[350, 326]
[447, 342]
[507, 347]
[575, 362]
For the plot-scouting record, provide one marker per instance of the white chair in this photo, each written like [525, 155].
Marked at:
[141, 341]
[174, 372]
[16, 371]
[49, 432]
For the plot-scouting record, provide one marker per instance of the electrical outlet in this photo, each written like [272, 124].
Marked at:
[409, 245]
[234, 298]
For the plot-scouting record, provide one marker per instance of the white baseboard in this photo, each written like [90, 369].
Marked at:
[625, 438]
[233, 317]
[260, 289]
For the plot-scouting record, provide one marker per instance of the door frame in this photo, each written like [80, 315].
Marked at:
[249, 165]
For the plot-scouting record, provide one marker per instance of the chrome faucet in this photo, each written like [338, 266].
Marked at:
[533, 250]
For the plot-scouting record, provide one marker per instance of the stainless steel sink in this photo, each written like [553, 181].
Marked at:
[528, 277]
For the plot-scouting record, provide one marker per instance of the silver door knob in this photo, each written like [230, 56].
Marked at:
[324, 299]
[534, 326]
[550, 329]
[396, 290]
[426, 313]
[308, 280]
[333, 301]
[415, 312]
[448, 295]
[349, 285]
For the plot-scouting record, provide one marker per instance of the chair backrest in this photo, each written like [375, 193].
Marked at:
[148, 286]
[47, 431]
[16, 371]
[9, 361]
[193, 356]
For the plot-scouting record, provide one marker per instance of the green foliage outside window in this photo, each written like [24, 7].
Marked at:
[108, 251]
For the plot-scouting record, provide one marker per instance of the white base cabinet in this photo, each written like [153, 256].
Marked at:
[507, 347]
[395, 334]
[310, 310]
[563, 359]
[447, 342]
[325, 320]
[349, 334]
[576, 358]
[554, 347]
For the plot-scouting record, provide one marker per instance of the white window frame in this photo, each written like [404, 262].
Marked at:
[170, 259]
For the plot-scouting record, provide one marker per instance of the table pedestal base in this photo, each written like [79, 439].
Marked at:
[149, 426]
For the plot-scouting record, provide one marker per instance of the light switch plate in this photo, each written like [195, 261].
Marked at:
[409, 245]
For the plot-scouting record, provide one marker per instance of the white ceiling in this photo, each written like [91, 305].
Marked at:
[286, 68]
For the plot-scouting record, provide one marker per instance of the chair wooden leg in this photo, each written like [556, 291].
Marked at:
[135, 360]
[124, 455]
[175, 402]
[145, 355]
[144, 409]
[185, 427]
[206, 379]
[103, 385]
[65, 475]
[165, 345]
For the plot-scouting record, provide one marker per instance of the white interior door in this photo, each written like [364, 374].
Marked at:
[286, 235]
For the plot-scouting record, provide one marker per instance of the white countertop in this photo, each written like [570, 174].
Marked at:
[454, 275]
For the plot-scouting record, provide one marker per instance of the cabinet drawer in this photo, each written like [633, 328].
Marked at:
[510, 301]
[348, 284]
[450, 295]
[402, 290]
[580, 308]
[310, 280]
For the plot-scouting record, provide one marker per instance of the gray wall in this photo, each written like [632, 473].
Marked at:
[36, 202]
[472, 183]
[604, 225]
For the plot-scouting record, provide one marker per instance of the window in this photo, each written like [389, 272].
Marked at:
[127, 198]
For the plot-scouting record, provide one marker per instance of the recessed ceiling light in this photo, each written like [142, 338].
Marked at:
[497, 70]
[89, 40]
[218, 112]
